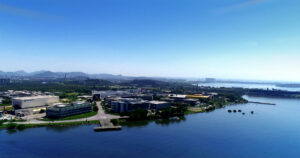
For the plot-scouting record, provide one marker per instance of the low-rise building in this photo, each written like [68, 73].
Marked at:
[177, 97]
[108, 93]
[157, 105]
[35, 101]
[128, 104]
[148, 97]
[191, 102]
[198, 96]
[97, 95]
[63, 110]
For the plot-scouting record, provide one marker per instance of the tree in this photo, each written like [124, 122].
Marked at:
[42, 110]
[11, 126]
[180, 110]
[95, 107]
[6, 101]
[21, 127]
[167, 112]
[138, 114]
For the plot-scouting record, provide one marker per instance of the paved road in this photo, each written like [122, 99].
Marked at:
[101, 115]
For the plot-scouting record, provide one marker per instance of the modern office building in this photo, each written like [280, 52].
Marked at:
[148, 97]
[157, 105]
[109, 93]
[34, 101]
[63, 110]
[128, 104]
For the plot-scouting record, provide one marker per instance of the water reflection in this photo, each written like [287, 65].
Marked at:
[60, 128]
[163, 122]
[11, 131]
[167, 122]
[131, 124]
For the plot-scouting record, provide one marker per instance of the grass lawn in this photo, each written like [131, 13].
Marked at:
[85, 115]
[6, 107]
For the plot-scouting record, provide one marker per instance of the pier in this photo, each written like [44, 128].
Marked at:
[261, 103]
[106, 125]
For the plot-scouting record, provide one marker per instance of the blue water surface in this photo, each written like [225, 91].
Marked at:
[272, 131]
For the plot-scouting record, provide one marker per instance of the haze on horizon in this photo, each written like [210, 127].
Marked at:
[238, 39]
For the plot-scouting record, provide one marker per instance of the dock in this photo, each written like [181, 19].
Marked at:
[106, 125]
[261, 103]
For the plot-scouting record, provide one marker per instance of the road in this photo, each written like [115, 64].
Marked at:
[100, 115]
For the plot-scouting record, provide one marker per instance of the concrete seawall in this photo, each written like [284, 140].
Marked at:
[106, 125]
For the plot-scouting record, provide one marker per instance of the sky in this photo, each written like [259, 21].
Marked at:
[233, 39]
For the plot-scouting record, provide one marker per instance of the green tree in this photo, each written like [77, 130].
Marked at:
[138, 114]
[95, 107]
[21, 127]
[11, 126]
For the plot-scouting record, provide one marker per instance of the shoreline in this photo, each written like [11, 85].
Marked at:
[92, 120]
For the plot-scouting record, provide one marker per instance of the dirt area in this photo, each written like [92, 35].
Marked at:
[35, 116]
[195, 109]
[6, 107]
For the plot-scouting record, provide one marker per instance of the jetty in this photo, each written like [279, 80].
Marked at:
[261, 103]
[106, 125]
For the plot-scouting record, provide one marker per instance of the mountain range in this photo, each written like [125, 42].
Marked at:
[57, 75]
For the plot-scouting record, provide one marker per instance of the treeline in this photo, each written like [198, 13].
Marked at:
[165, 113]
[273, 93]
[85, 86]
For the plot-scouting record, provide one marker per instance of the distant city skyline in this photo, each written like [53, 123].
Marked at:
[235, 39]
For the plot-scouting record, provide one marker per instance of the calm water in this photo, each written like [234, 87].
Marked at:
[248, 85]
[272, 131]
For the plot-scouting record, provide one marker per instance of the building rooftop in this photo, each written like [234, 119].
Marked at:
[130, 100]
[34, 97]
[177, 95]
[158, 102]
[63, 106]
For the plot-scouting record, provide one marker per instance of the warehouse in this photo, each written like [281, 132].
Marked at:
[34, 101]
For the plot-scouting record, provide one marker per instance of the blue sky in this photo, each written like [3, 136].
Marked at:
[238, 39]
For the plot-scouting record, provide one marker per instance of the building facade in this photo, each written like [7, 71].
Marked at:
[35, 101]
[130, 104]
[64, 110]
[158, 105]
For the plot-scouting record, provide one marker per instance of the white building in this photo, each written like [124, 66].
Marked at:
[34, 101]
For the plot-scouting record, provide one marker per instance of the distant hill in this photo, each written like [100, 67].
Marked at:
[60, 75]
[46, 75]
